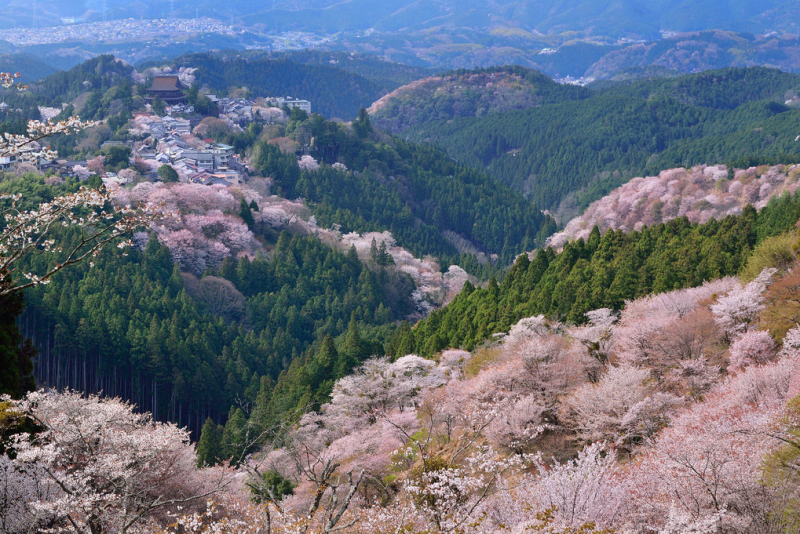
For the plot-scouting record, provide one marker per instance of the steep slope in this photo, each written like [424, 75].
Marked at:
[184, 347]
[333, 92]
[601, 272]
[699, 194]
[474, 93]
[432, 205]
[578, 151]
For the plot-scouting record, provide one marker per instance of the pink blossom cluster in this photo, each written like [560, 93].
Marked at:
[204, 232]
[618, 424]
[434, 289]
[95, 465]
[701, 193]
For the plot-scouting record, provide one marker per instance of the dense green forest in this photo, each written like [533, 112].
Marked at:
[98, 75]
[333, 92]
[471, 93]
[585, 148]
[104, 90]
[387, 74]
[602, 272]
[30, 67]
[185, 348]
[415, 192]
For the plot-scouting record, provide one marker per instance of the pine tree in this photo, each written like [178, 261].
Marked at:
[16, 357]
[352, 351]
[373, 252]
[247, 215]
[234, 437]
[208, 448]
[384, 258]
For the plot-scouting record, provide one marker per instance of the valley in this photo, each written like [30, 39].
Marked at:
[313, 291]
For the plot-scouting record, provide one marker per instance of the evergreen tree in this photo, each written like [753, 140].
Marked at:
[361, 125]
[16, 356]
[235, 436]
[353, 350]
[271, 488]
[209, 447]
[373, 252]
[246, 214]
[168, 174]
[158, 106]
[384, 258]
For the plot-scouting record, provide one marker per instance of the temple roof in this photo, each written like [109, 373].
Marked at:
[166, 83]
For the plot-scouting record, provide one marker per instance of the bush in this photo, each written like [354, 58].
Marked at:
[773, 252]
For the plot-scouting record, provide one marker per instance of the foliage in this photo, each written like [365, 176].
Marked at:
[700, 194]
[30, 254]
[773, 253]
[416, 193]
[333, 92]
[469, 93]
[96, 466]
[587, 147]
[602, 272]
[168, 174]
[143, 335]
[274, 485]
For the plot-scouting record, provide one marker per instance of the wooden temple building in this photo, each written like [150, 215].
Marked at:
[168, 88]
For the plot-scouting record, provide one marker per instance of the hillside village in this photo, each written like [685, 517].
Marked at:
[170, 133]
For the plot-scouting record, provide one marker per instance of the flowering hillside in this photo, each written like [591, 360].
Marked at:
[207, 228]
[699, 194]
[677, 415]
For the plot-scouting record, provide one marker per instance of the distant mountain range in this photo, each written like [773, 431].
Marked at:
[625, 18]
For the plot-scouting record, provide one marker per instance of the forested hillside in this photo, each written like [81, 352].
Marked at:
[96, 77]
[576, 152]
[473, 93]
[602, 272]
[257, 300]
[699, 194]
[334, 92]
[269, 322]
[389, 75]
[184, 348]
[369, 182]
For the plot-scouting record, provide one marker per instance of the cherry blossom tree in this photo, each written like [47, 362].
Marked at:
[791, 342]
[81, 172]
[597, 411]
[307, 163]
[587, 488]
[21, 486]
[708, 462]
[750, 348]
[106, 467]
[97, 164]
[380, 386]
[739, 308]
[450, 496]
[28, 232]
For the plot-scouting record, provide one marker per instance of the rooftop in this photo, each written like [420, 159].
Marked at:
[166, 83]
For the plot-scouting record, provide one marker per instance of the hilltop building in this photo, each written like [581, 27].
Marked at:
[290, 102]
[168, 88]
